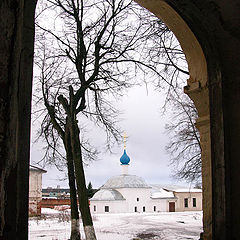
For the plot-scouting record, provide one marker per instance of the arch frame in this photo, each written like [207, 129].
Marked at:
[216, 26]
[203, 28]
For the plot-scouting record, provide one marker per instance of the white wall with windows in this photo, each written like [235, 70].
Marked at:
[117, 206]
[133, 200]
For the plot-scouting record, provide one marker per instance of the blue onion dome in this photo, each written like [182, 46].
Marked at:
[125, 159]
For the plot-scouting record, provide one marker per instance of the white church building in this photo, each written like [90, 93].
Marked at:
[129, 193]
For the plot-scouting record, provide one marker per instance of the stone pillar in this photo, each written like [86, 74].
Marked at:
[203, 125]
[200, 97]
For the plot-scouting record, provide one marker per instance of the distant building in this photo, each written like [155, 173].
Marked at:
[129, 193]
[186, 199]
[57, 192]
[35, 190]
[55, 197]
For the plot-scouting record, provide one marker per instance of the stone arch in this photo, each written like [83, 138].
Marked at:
[197, 89]
[209, 34]
[212, 28]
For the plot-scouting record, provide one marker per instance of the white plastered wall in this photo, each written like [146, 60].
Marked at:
[114, 206]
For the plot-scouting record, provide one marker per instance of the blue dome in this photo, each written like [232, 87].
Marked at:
[125, 159]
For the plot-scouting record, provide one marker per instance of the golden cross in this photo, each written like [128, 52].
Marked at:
[124, 140]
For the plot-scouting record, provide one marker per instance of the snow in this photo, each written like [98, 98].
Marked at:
[188, 190]
[161, 193]
[55, 225]
[173, 188]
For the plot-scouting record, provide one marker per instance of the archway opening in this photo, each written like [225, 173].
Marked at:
[197, 83]
[26, 99]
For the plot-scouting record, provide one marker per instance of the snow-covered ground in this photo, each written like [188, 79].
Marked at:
[54, 225]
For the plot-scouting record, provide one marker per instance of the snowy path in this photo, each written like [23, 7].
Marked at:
[135, 226]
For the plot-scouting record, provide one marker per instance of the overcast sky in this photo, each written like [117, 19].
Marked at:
[144, 125]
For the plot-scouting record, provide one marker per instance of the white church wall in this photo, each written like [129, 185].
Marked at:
[138, 199]
[108, 206]
[159, 205]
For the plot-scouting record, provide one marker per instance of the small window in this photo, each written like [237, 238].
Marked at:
[154, 208]
[135, 209]
[94, 208]
[106, 208]
[137, 199]
[185, 202]
[194, 202]
[143, 209]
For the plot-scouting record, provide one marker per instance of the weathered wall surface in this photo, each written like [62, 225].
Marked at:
[189, 195]
[35, 192]
[51, 203]
[35, 184]
[16, 55]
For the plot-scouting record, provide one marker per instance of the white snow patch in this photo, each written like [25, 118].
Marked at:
[125, 226]
[161, 193]
[188, 190]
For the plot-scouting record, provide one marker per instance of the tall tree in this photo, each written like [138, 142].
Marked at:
[90, 190]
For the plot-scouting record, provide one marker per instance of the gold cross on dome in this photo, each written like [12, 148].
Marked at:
[124, 139]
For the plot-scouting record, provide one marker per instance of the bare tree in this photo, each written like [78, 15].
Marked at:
[84, 54]
[184, 146]
[88, 52]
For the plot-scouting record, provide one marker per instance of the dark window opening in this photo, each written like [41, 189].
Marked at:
[143, 209]
[135, 209]
[137, 199]
[194, 202]
[106, 208]
[94, 208]
[185, 202]
[154, 208]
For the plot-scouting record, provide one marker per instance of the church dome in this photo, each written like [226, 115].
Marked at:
[125, 159]
[125, 181]
[107, 195]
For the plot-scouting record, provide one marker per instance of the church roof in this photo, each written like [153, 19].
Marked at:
[125, 181]
[107, 195]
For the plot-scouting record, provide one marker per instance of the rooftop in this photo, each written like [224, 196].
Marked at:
[125, 181]
[107, 195]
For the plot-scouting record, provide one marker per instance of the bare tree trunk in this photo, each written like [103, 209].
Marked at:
[75, 233]
[81, 183]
